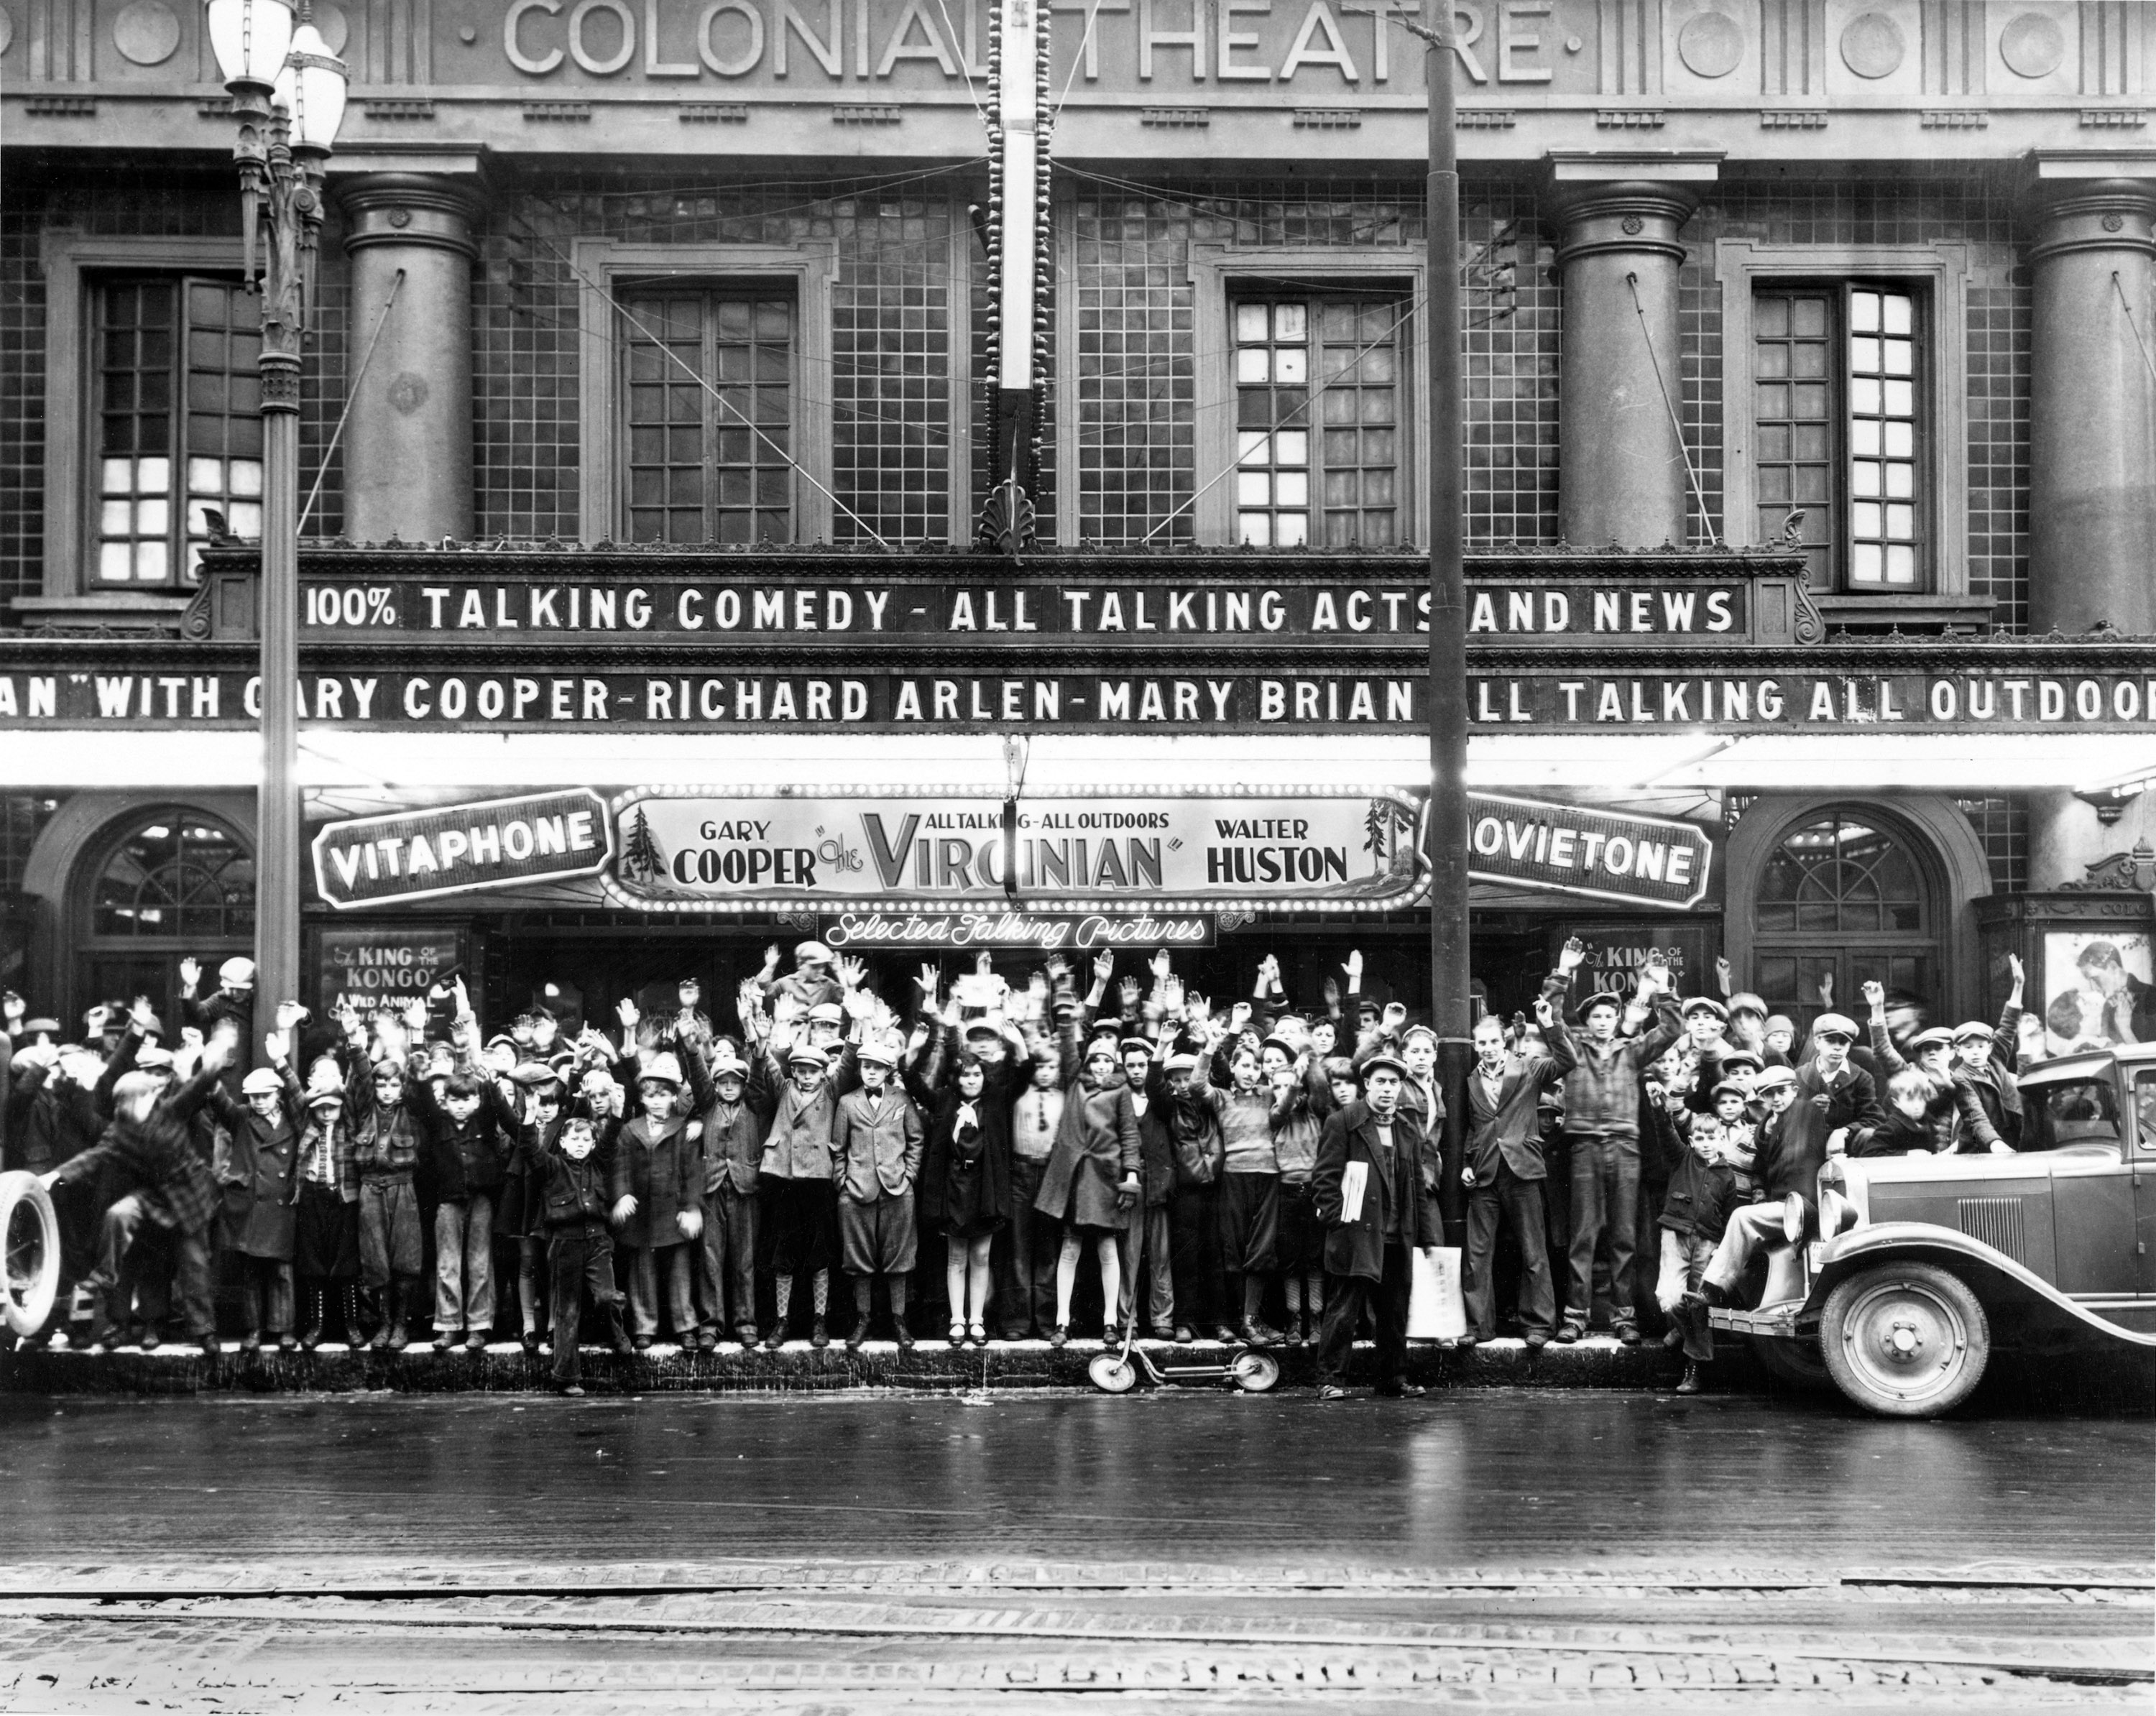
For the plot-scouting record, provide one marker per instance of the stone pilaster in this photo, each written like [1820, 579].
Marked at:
[408, 449]
[1621, 465]
[2093, 408]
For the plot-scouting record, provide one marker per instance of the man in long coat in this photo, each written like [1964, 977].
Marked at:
[1374, 1221]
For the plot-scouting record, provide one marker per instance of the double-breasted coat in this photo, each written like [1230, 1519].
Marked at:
[1097, 1146]
[1357, 1247]
[258, 1167]
[660, 1164]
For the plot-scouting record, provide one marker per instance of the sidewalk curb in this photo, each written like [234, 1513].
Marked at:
[932, 1368]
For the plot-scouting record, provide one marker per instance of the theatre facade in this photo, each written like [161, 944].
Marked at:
[656, 605]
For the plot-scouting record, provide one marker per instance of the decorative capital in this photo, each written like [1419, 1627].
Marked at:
[407, 208]
[2094, 214]
[1633, 217]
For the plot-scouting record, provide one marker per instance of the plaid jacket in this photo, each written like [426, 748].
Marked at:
[157, 1157]
[343, 1140]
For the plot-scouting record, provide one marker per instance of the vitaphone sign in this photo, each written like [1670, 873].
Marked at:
[898, 870]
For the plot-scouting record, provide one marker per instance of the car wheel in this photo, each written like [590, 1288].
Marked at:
[1906, 1340]
[1796, 1365]
[30, 1241]
[1112, 1374]
[1253, 1373]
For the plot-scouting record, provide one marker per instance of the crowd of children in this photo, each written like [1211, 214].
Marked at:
[1218, 1169]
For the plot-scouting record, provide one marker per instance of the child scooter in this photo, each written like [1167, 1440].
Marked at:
[1250, 1368]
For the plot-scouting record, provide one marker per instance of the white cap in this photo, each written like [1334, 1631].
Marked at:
[238, 973]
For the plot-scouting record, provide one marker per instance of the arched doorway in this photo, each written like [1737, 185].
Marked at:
[1845, 895]
[167, 883]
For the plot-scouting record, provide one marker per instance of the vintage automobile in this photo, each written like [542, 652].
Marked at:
[1924, 1265]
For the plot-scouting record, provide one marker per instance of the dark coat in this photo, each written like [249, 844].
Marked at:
[1357, 1247]
[662, 1166]
[572, 1193]
[1701, 1194]
[965, 1182]
[457, 1162]
[1096, 1147]
[260, 1173]
[1896, 1135]
[733, 1131]
[1157, 1167]
[1509, 1131]
[1987, 1100]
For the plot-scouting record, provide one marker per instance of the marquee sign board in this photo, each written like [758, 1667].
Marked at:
[2046, 688]
[1604, 854]
[799, 605]
[461, 849]
[1105, 853]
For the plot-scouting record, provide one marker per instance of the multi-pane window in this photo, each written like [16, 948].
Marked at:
[1837, 378]
[1841, 901]
[1317, 421]
[179, 427]
[709, 415]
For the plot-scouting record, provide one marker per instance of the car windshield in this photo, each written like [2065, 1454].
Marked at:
[2076, 1111]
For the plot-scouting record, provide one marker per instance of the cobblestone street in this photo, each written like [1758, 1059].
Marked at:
[1502, 1549]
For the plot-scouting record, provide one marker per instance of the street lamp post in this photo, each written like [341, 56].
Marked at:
[1448, 621]
[288, 95]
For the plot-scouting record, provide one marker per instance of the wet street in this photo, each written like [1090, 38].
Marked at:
[1511, 1547]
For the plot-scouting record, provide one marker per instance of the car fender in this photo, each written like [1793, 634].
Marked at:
[1998, 1283]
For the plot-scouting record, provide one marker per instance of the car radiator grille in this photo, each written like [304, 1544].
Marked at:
[1997, 1221]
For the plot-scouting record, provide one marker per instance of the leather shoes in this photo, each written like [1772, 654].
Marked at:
[1331, 1392]
[1628, 1333]
[1690, 1385]
[1570, 1332]
[853, 1340]
[1061, 1337]
[475, 1341]
[1466, 1343]
[1403, 1390]
[1183, 1334]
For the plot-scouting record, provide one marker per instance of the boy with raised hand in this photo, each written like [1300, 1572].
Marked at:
[467, 1133]
[1601, 1095]
[575, 1170]
[1503, 1170]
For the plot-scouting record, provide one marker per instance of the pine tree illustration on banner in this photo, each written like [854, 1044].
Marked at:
[1388, 823]
[640, 856]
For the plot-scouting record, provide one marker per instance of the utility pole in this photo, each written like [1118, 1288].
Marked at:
[1450, 1005]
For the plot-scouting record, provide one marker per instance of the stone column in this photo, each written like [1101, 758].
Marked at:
[2092, 428]
[1620, 466]
[407, 448]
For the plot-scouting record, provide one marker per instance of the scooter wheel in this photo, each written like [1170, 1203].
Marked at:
[30, 1233]
[1112, 1374]
[1255, 1372]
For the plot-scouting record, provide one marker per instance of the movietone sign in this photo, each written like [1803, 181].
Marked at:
[988, 927]
[1606, 855]
[1167, 854]
[458, 849]
[1011, 611]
